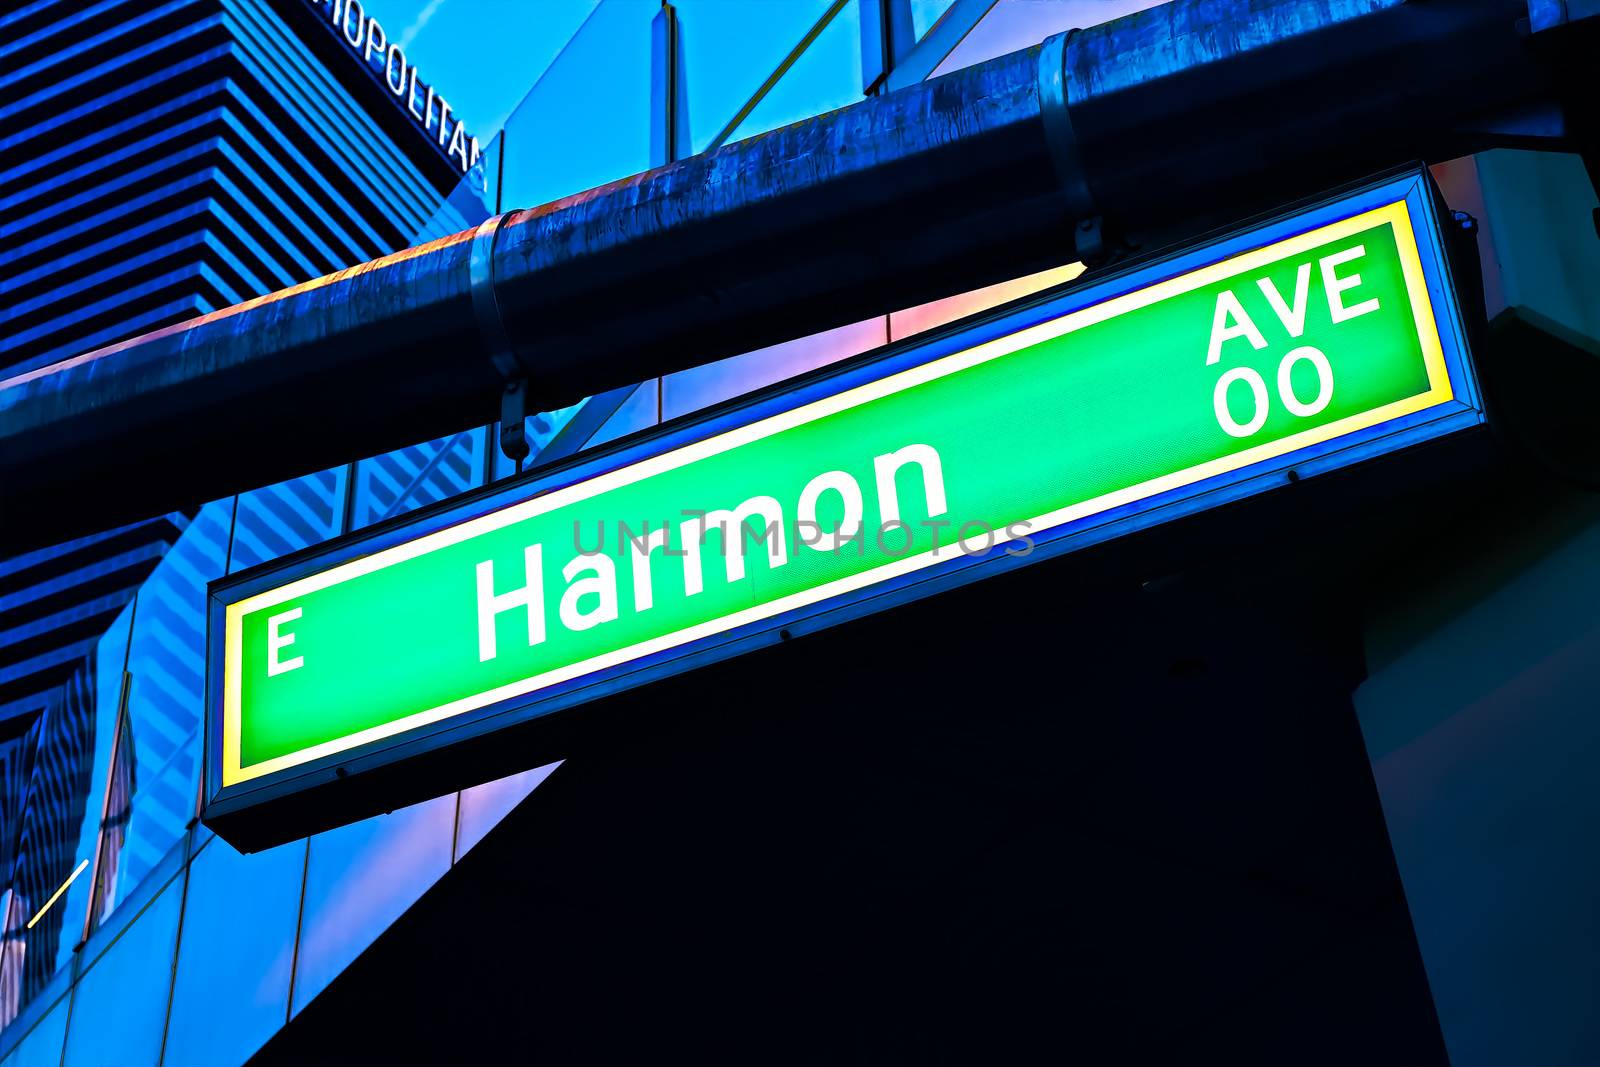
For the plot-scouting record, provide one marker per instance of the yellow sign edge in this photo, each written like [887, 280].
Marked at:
[1397, 215]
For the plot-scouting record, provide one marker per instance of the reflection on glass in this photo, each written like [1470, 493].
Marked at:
[159, 746]
[640, 411]
[539, 430]
[826, 76]
[938, 312]
[483, 806]
[701, 387]
[730, 48]
[42, 1046]
[360, 878]
[282, 518]
[69, 796]
[121, 1000]
[1012, 25]
[46, 754]
[14, 912]
[396, 482]
[587, 120]
[231, 992]
[133, 905]
[111, 655]
[470, 202]
[925, 13]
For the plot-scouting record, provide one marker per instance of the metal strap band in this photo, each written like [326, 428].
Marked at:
[486, 304]
[502, 353]
[1055, 110]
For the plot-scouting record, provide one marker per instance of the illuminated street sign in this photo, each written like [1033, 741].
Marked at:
[1308, 342]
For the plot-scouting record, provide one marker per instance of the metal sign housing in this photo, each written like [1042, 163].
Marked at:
[1309, 342]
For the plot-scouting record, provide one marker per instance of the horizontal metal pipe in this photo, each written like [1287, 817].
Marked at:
[1161, 124]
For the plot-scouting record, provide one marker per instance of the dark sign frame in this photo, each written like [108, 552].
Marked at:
[538, 727]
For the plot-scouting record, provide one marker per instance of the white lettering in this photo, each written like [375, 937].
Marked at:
[1293, 319]
[849, 527]
[530, 597]
[1336, 285]
[734, 537]
[887, 468]
[1258, 396]
[411, 98]
[353, 7]
[458, 145]
[1286, 391]
[277, 639]
[643, 590]
[1228, 306]
[367, 36]
[601, 583]
[444, 114]
[391, 69]
[377, 40]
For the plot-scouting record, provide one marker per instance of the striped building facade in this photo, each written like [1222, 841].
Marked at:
[158, 161]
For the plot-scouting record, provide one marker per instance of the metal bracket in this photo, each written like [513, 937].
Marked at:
[1089, 243]
[502, 353]
[513, 422]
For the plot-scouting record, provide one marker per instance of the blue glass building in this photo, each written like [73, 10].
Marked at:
[179, 159]
[162, 161]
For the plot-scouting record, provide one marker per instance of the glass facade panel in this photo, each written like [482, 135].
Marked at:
[729, 49]
[540, 430]
[826, 76]
[492, 163]
[640, 411]
[469, 203]
[394, 483]
[121, 1001]
[41, 1027]
[360, 878]
[42, 1047]
[587, 120]
[231, 992]
[155, 786]
[46, 745]
[1012, 25]
[134, 905]
[701, 387]
[925, 13]
[281, 518]
[483, 806]
[110, 655]
[117, 808]
[112, 778]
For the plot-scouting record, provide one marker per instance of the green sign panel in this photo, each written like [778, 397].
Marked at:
[1275, 350]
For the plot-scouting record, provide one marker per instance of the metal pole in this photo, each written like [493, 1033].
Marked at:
[1142, 130]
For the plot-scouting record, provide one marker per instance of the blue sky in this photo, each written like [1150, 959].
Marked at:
[483, 55]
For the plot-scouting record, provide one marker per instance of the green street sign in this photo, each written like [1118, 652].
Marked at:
[1317, 340]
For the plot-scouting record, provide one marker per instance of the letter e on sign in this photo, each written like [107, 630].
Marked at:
[1338, 311]
[277, 639]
